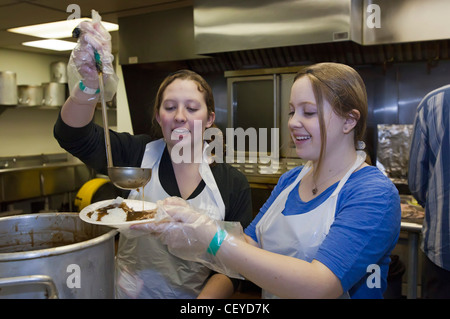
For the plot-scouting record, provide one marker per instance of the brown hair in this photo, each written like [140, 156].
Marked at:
[202, 86]
[344, 89]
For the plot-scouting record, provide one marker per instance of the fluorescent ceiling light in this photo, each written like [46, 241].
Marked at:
[57, 30]
[52, 44]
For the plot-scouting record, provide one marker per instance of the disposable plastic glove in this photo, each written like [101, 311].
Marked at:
[187, 230]
[189, 233]
[93, 39]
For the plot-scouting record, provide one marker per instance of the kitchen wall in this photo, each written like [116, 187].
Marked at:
[27, 131]
[123, 111]
[30, 68]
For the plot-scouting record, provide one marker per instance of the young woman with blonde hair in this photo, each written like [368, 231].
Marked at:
[328, 228]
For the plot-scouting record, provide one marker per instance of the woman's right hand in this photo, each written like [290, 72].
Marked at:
[93, 39]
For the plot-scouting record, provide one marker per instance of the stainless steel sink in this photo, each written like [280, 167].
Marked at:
[41, 175]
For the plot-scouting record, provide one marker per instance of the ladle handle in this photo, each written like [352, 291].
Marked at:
[105, 120]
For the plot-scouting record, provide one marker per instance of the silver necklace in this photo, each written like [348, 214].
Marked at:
[315, 188]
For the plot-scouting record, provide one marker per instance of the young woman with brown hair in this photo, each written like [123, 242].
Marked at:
[144, 267]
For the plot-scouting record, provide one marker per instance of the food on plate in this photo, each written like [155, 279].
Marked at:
[140, 215]
[118, 211]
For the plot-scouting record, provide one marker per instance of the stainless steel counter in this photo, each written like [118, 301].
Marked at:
[42, 175]
[414, 230]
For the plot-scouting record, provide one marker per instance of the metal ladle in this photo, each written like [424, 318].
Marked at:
[123, 177]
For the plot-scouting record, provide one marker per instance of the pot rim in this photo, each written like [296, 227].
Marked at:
[40, 253]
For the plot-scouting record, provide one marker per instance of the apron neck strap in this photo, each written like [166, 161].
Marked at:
[360, 158]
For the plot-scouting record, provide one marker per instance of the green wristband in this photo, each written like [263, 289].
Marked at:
[217, 240]
[87, 90]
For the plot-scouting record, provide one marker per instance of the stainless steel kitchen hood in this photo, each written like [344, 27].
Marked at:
[235, 25]
[287, 30]
[406, 21]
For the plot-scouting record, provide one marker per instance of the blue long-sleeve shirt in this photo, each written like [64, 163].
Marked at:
[429, 173]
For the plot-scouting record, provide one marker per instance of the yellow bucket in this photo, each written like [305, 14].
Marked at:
[84, 195]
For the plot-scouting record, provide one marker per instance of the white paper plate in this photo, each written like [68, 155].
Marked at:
[114, 219]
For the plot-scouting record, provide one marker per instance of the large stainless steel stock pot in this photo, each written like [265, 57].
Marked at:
[55, 255]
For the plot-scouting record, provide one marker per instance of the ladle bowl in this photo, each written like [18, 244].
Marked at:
[129, 177]
[122, 177]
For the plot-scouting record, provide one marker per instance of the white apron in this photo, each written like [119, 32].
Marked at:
[144, 267]
[301, 235]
